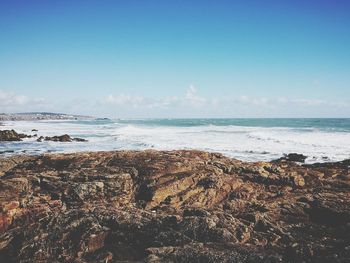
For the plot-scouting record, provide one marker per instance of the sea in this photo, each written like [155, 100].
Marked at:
[322, 140]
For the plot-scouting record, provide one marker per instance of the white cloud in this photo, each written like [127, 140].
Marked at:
[10, 99]
[11, 102]
[310, 102]
[190, 99]
[128, 100]
[190, 104]
[314, 102]
[193, 98]
[253, 101]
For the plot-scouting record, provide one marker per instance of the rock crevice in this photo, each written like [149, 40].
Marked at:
[177, 206]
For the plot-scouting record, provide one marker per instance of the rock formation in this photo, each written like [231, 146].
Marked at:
[12, 135]
[178, 206]
[294, 157]
[62, 138]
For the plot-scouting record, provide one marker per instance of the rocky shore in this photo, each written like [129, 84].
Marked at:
[177, 206]
[62, 138]
[12, 136]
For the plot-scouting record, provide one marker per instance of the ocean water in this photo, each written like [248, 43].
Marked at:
[246, 139]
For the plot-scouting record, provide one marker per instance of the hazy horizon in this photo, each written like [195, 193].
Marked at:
[169, 118]
[160, 59]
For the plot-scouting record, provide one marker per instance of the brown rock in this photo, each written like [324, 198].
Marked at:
[294, 157]
[11, 135]
[62, 138]
[178, 206]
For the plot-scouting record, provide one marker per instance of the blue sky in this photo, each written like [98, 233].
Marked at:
[176, 58]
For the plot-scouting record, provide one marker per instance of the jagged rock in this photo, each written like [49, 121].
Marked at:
[11, 135]
[178, 206]
[62, 138]
[79, 140]
[293, 157]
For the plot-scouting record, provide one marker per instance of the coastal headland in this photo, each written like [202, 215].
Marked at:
[172, 206]
[30, 116]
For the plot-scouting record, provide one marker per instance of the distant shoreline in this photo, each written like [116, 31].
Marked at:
[33, 116]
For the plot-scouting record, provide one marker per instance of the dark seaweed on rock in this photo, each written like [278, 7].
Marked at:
[178, 206]
[62, 138]
[293, 157]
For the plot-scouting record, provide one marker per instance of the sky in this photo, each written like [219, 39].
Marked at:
[176, 59]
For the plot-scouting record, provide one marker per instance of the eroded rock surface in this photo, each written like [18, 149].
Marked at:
[11, 136]
[179, 206]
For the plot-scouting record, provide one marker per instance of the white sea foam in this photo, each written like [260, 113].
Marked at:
[242, 142]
